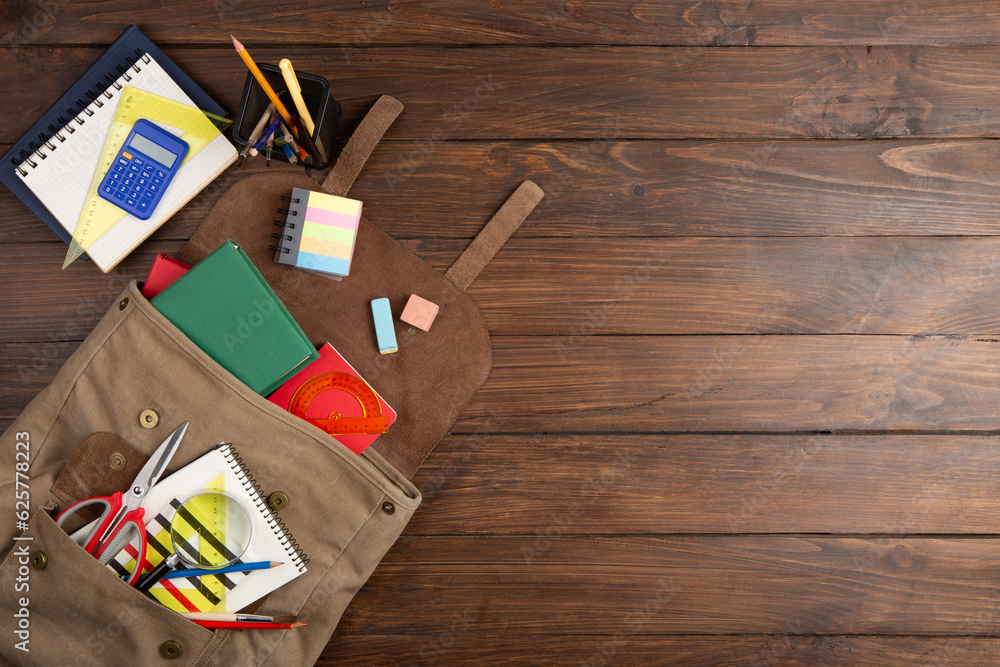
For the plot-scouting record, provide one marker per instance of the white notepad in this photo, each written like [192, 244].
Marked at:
[219, 470]
[61, 171]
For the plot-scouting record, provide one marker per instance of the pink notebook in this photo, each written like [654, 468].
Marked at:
[330, 394]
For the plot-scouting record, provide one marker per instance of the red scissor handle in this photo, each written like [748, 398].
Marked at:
[112, 530]
[112, 505]
[119, 538]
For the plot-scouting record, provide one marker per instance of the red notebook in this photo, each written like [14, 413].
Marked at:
[165, 270]
[330, 394]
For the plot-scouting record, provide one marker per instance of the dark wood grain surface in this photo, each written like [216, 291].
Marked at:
[353, 26]
[576, 92]
[744, 406]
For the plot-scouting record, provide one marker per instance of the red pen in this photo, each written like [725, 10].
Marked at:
[244, 625]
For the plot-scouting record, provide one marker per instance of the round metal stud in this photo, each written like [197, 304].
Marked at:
[117, 461]
[149, 419]
[39, 560]
[170, 650]
[277, 501]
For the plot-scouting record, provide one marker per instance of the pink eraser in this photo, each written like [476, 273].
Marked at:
[419, 312]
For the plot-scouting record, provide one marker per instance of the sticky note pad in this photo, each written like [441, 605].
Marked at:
[384, 332]
[419, 312]
[320, 231]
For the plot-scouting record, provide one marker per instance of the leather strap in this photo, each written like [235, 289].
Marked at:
[495, 234]
[361, 145]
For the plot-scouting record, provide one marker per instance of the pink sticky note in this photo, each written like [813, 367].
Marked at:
[419, 312]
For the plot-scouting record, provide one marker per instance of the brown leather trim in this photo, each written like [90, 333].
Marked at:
[361, 144]
[494, 234]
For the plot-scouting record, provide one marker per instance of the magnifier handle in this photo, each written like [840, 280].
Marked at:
[150, 579]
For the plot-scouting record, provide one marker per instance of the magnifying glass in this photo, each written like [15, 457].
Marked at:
[208, 531]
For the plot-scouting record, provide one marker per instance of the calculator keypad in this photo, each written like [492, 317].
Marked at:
[134, 184]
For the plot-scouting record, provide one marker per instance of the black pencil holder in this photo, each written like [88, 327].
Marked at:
[325, 110]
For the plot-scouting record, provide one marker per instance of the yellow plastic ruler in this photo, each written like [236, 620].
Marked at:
[209, 593]
[98, 216]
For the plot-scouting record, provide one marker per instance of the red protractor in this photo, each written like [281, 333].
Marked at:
[371, 420]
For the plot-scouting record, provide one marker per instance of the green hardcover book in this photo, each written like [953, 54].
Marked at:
[227, 309]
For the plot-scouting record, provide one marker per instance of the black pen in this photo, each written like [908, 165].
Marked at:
[158, 573]
[308, 145]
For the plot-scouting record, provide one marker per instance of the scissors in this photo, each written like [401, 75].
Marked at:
[122, 516]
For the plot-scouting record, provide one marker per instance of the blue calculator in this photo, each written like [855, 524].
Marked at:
[143, 169]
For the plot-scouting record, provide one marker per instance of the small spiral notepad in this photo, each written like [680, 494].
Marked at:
[220, 470]
[318, 232]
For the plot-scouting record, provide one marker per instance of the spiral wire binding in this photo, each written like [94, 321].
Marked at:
[83, 108]
[284, 224]
[252, 488]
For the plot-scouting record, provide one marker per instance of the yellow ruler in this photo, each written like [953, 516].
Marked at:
[99, 216]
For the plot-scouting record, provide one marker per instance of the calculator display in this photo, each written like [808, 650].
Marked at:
[153, 150]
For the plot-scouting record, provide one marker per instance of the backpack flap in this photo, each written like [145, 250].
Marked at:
[435, 373]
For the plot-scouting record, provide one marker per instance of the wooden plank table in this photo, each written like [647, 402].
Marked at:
[746, 393]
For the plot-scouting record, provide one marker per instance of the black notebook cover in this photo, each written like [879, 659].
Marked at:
[125, 50]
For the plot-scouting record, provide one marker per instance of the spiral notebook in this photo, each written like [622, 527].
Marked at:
[318, 232]
[123, 53]
[220, 470]
[60, 171]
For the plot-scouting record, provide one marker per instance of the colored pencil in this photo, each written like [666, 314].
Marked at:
[255, 135]
[312, 152]
[291, 142]
[262, 140]
[253, 618]
[235, 567]
[264, 85]
[238, 625]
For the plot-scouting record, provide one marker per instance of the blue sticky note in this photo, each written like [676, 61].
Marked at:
[384, 331]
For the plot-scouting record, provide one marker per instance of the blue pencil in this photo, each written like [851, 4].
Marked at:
[267, 132]
[236, 567]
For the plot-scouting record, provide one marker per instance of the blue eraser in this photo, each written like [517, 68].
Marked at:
[384, 331]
